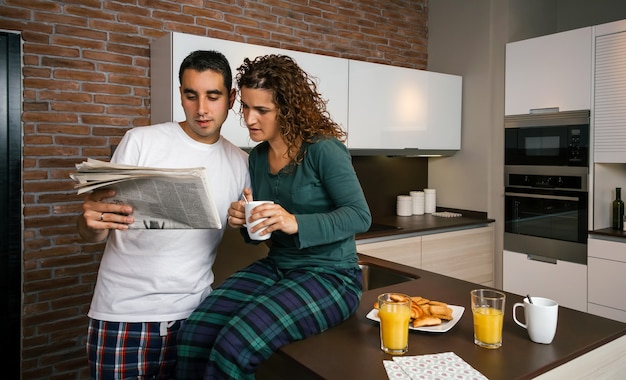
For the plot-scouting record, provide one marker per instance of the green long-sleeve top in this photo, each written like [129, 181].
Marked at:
[324, 194]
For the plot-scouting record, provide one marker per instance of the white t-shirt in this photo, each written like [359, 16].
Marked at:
[163, 275]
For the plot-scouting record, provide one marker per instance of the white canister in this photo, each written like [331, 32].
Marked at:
[404, 205]
[417, 198]
[430, 201]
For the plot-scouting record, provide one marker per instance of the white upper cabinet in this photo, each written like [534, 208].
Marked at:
[398, 108]
[168, 52]
[549, 71]
[609, 117]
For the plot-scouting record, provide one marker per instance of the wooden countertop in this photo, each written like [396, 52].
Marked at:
[351, 350]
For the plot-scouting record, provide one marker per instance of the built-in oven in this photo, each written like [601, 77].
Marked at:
[546, 185]
[546, 214]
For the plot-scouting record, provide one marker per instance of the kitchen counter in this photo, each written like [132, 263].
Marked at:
[226, 263]
[423, 224]
[609, 232]
[351, 350]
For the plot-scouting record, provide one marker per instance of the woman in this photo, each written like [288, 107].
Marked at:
[310, 280]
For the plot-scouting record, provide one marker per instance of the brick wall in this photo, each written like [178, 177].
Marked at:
[86, 81]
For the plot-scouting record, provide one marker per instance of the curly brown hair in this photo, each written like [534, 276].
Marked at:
[302, 113]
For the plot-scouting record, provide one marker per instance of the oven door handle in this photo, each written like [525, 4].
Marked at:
[543, 196]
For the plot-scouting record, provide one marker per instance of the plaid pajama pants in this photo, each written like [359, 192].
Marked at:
[122, 350]
[256, 311]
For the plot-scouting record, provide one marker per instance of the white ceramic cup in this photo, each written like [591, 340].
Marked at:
[541, 318]
[417, 198]
[404, 205]
[255, 235]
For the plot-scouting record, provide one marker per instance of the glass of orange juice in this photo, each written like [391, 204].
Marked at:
[394, 312]
[488, 312]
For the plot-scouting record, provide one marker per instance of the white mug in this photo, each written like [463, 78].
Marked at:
[541, 318]
[255, 235]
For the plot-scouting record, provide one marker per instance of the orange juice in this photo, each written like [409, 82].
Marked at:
[394, 326]
[488, 325]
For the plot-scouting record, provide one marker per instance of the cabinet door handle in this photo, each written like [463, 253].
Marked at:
[543, 259]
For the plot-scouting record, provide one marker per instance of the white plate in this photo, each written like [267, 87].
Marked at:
[457, 312]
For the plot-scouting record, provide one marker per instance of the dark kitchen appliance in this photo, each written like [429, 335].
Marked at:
[547, 139]
[546, 214]
[546, 186]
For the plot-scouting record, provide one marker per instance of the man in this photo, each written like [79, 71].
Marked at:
[150, 280]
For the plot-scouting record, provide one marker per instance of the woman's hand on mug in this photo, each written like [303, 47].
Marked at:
[278, 219]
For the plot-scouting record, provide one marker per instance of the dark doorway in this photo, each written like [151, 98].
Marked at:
[10, 201]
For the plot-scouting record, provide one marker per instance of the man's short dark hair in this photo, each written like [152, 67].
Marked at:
[202, 60]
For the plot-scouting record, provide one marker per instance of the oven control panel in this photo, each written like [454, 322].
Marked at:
[575, 148]
[546, 181]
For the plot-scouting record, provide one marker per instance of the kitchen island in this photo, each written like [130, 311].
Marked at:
[351, 350]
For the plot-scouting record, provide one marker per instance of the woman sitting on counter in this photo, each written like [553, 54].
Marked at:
[310, 280]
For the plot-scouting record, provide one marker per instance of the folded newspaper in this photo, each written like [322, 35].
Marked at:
[161, 198]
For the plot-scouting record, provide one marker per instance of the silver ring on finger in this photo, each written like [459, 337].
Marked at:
[102, 217]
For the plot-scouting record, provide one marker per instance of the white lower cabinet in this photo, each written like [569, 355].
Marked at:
[464, 254]
[565, 282]
[405, 251]
[607, 278]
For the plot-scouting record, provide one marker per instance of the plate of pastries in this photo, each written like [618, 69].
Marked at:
[428, 315]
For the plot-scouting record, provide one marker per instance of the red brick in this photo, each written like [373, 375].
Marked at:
[101, 57]
[105, 120]
[86, 108]
[58, 18]
[78, 42]
[49, 117]
[130, 80]
[133, 9]
[110, 26]
[112, 99]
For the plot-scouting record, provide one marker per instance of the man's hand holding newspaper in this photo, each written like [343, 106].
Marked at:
[161, 198]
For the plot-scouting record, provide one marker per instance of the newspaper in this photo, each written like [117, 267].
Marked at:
[161, 198]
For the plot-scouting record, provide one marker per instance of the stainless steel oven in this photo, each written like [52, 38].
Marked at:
[546, 186]
[546, 213]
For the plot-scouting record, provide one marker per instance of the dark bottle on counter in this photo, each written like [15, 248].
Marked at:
[618, 210]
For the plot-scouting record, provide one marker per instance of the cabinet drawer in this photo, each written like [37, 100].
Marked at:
[606, 249]
[564, 282]
[465, 254]
[607, 281]
[407, 251]
[607, 312]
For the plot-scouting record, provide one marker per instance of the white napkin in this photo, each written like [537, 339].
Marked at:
[445, 365]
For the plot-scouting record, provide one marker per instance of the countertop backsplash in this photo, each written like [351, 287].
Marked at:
[383, 178]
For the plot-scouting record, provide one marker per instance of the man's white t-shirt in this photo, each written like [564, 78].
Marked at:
[163, 275]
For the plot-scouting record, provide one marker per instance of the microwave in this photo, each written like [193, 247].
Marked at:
[547, 139]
